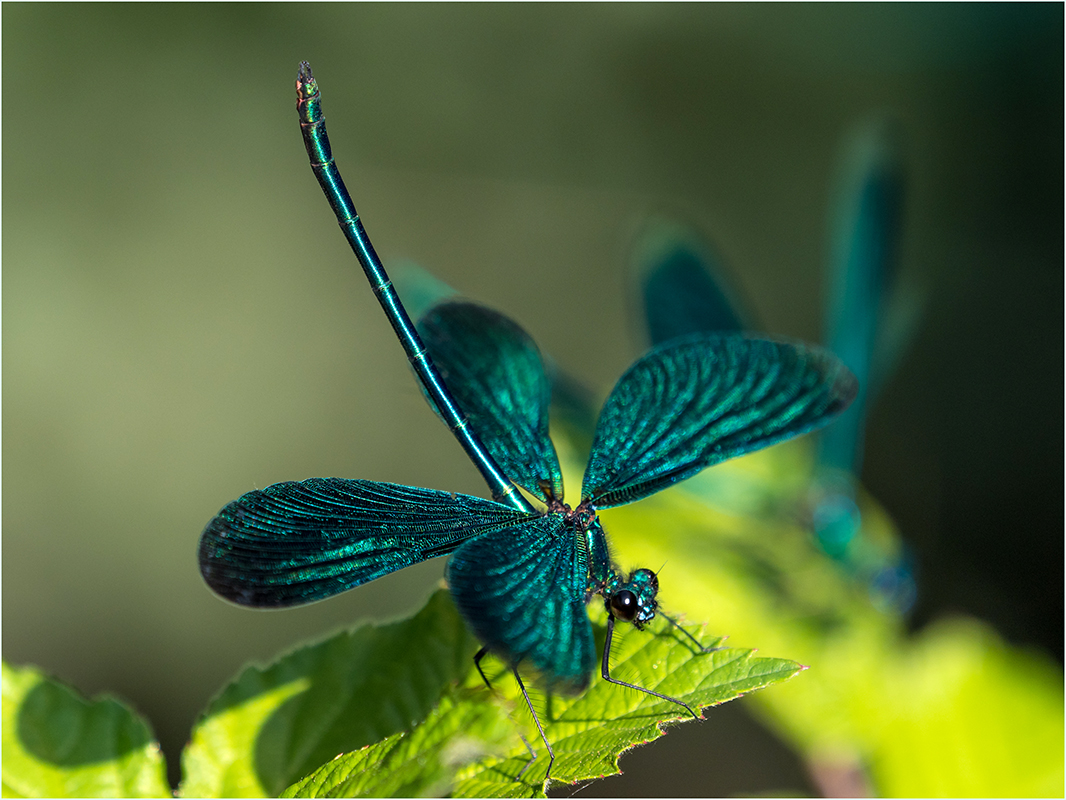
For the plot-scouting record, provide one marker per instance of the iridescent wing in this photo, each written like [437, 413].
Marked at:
[418, 288]
[494, 371]
[682, 283]
[705, 398]
[294, 543]
[522, 591]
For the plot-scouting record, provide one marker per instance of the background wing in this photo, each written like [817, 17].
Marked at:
[493, 369]
[705, 398]
[294, 543]
[522, 591]
[862, 272]
[683, 284]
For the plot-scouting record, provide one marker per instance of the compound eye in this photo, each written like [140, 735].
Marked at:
[624, 605]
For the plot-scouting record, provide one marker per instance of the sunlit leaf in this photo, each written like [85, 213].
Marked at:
[589, 732]
[420, 763]
[59, 744]
[272, 726]
[412, 716]
[967, 715]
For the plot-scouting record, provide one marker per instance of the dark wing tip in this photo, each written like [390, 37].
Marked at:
[212, 554]
[227, 572]
[845, 386]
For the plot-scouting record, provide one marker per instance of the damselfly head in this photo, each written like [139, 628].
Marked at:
[634, 600]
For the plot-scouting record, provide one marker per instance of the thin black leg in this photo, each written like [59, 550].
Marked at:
[695, 641]
[606, 672]
[543, 738]
[480, 654]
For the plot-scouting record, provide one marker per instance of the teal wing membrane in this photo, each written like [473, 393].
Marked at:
[494, 371]
[682, 283]
[866, 228]
[297, 542]
[522, 590]
[418, 288]
[705, 398]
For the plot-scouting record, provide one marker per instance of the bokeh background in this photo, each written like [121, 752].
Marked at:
[182, 321]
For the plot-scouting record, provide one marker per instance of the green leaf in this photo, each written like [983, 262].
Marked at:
[421, 763]
[406, 704]
[466, 737]
[274, 725]
[969, 716]
[589, 732]
[59, 744]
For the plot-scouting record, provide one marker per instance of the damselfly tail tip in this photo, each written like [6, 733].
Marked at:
[305, 80]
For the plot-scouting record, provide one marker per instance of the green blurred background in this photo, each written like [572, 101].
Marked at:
[182, 321]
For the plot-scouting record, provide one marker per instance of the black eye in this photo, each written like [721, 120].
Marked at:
[624, 605]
